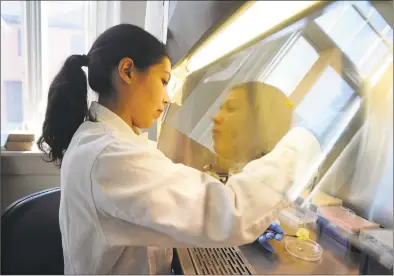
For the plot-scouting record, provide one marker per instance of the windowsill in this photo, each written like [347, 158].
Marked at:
[33, 152]
[5, 153]
[26, 163]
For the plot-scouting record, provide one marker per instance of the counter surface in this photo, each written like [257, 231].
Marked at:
[336, 258]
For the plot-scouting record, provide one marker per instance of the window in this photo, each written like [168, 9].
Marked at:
[296, 63]
[77, 45]
[324, 103]
[58, 33]
[361, 32]
[12, 78]
[13, 95]
[63, 34]
[389, 36]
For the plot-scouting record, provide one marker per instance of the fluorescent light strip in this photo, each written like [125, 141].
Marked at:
[258, 18]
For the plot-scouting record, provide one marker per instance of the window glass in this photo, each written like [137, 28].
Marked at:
[389, 36]
[63, 34]
[12, 78]
[361, 44]
[14, 99]
[360, 39]
[375, 59]
[378, 21]
[324, 103]
[294, 65]
[77, 44]
[346, 27]
[237, 108]
[364, 6]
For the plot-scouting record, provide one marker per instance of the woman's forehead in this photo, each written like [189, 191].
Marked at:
[163, 66]
[238, 94]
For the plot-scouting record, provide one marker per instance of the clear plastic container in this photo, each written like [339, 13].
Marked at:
[320, 199]
[306, 250]
[296, 218]
[345, 219]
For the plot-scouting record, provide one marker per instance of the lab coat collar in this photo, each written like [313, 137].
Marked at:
[113, 121]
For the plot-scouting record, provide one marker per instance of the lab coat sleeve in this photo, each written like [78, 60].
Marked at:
[143, 187]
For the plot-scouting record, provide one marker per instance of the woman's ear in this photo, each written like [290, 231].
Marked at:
[126, 70]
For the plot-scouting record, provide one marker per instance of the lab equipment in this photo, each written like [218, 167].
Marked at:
[297, 217]
[345, 219]
[307, 250]
[380, 243]
[320, 198]
[285, 235]
[302, 234]
[213, 261]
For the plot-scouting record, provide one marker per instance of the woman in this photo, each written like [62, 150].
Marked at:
[122, 202]
[252, 119]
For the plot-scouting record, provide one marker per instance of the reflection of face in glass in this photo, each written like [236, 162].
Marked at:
[252, 119]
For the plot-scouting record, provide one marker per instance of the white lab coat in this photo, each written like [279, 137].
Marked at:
[124, 205]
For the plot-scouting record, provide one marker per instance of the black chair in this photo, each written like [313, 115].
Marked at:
[30, 235]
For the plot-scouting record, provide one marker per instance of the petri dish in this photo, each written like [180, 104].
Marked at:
[307, 250]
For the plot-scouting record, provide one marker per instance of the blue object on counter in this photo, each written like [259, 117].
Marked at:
[274, 231]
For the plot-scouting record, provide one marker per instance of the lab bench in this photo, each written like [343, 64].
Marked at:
[336, 258]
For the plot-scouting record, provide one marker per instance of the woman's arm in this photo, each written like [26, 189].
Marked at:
[143, 187]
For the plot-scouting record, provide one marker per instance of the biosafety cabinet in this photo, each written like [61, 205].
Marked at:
[244, 73]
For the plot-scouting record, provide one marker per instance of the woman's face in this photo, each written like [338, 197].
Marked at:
[145, 93]
[233, 125]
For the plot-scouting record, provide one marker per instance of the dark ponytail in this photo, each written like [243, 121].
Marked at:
[67, 106]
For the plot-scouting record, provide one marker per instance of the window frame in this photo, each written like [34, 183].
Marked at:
[31, 34]
[31, 18]
[20, 46]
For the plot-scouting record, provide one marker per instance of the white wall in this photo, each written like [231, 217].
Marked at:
[23, 174]
[133, 12]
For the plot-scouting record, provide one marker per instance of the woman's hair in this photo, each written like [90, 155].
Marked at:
[67, 106]
[271, 113]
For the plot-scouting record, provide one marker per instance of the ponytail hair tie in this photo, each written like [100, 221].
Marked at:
[84, 60]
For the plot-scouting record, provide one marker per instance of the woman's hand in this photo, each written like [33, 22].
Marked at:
[274, 231]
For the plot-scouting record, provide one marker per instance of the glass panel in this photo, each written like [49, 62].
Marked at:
[295, 64]
[77, 44]
[378, 21]
[346, 28]
[364, 6]
[13, 69]
[358, 49]
[207, 95]
[228, 108]
[228, 114]
[379, 52]
[324, 103]
[356, 37]
[389, 36]
[330, 18]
